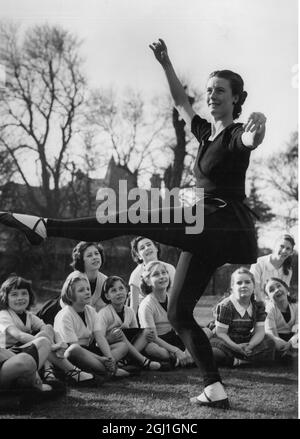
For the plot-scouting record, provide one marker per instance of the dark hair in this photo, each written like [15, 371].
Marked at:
[285, 285]
[14, 282]
[67, 291]
[237, 87]
[134, 248]
[109, 283]
[287, 263]
[145, 288]
[78, 251]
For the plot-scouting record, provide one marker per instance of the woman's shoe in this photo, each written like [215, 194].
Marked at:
[219, 403]
[9, 220]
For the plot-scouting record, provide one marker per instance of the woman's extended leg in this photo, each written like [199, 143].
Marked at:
[168, 230]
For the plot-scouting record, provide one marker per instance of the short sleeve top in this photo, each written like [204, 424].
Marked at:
[108, 319]
[275, 321]
[221, 164]
[153, 315]
[9, 318]
[71, 327]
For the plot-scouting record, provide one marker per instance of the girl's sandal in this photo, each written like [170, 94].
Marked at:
[151, 365]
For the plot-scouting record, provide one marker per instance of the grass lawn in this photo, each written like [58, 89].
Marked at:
[264, 393]
[255, 393]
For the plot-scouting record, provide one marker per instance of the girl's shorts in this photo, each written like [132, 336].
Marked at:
[30, 350]
[132, 333]
[172, 338]
[4, 356]
[92, 347]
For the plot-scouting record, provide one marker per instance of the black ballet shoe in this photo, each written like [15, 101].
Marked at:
[218, 404]
[9, 220]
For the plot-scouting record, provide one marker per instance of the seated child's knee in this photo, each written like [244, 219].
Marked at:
[72, 351]
[124, 347]
[25, 363]
[42, 342]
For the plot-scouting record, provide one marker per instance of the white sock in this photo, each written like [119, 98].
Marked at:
[214, 391]
[30, 221]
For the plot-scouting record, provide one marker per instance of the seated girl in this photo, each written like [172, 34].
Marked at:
[282, 317]
[19, 371]
[118, 323]
[143, 250]
[277, 264]
[88, 258]
[78, 325]
[239, 327]
[20, 329]
[153, 315]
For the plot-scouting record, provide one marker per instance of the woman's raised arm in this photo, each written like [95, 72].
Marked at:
[178, 93]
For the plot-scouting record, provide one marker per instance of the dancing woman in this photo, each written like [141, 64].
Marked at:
[228, 234]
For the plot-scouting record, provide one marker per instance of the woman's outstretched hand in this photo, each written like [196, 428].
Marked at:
[160, 51]
[254, 129]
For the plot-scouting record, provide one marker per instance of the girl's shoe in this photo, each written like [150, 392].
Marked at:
[151, 365]
[77, 376]
[237, 362]
[49, 376]
[121, 373]
[34, 238]
[165, 366]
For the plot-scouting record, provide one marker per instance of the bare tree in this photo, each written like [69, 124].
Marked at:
[134, 131]
[178, 173]
[277, 180]
[40, 108]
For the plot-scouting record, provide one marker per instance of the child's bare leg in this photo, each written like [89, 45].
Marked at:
[47, 332]
[62, 363]
[20, 368]
[141, 342]
[85, 359]
[133, 352]
[43, 346]
[153, 350]
[119, 350]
